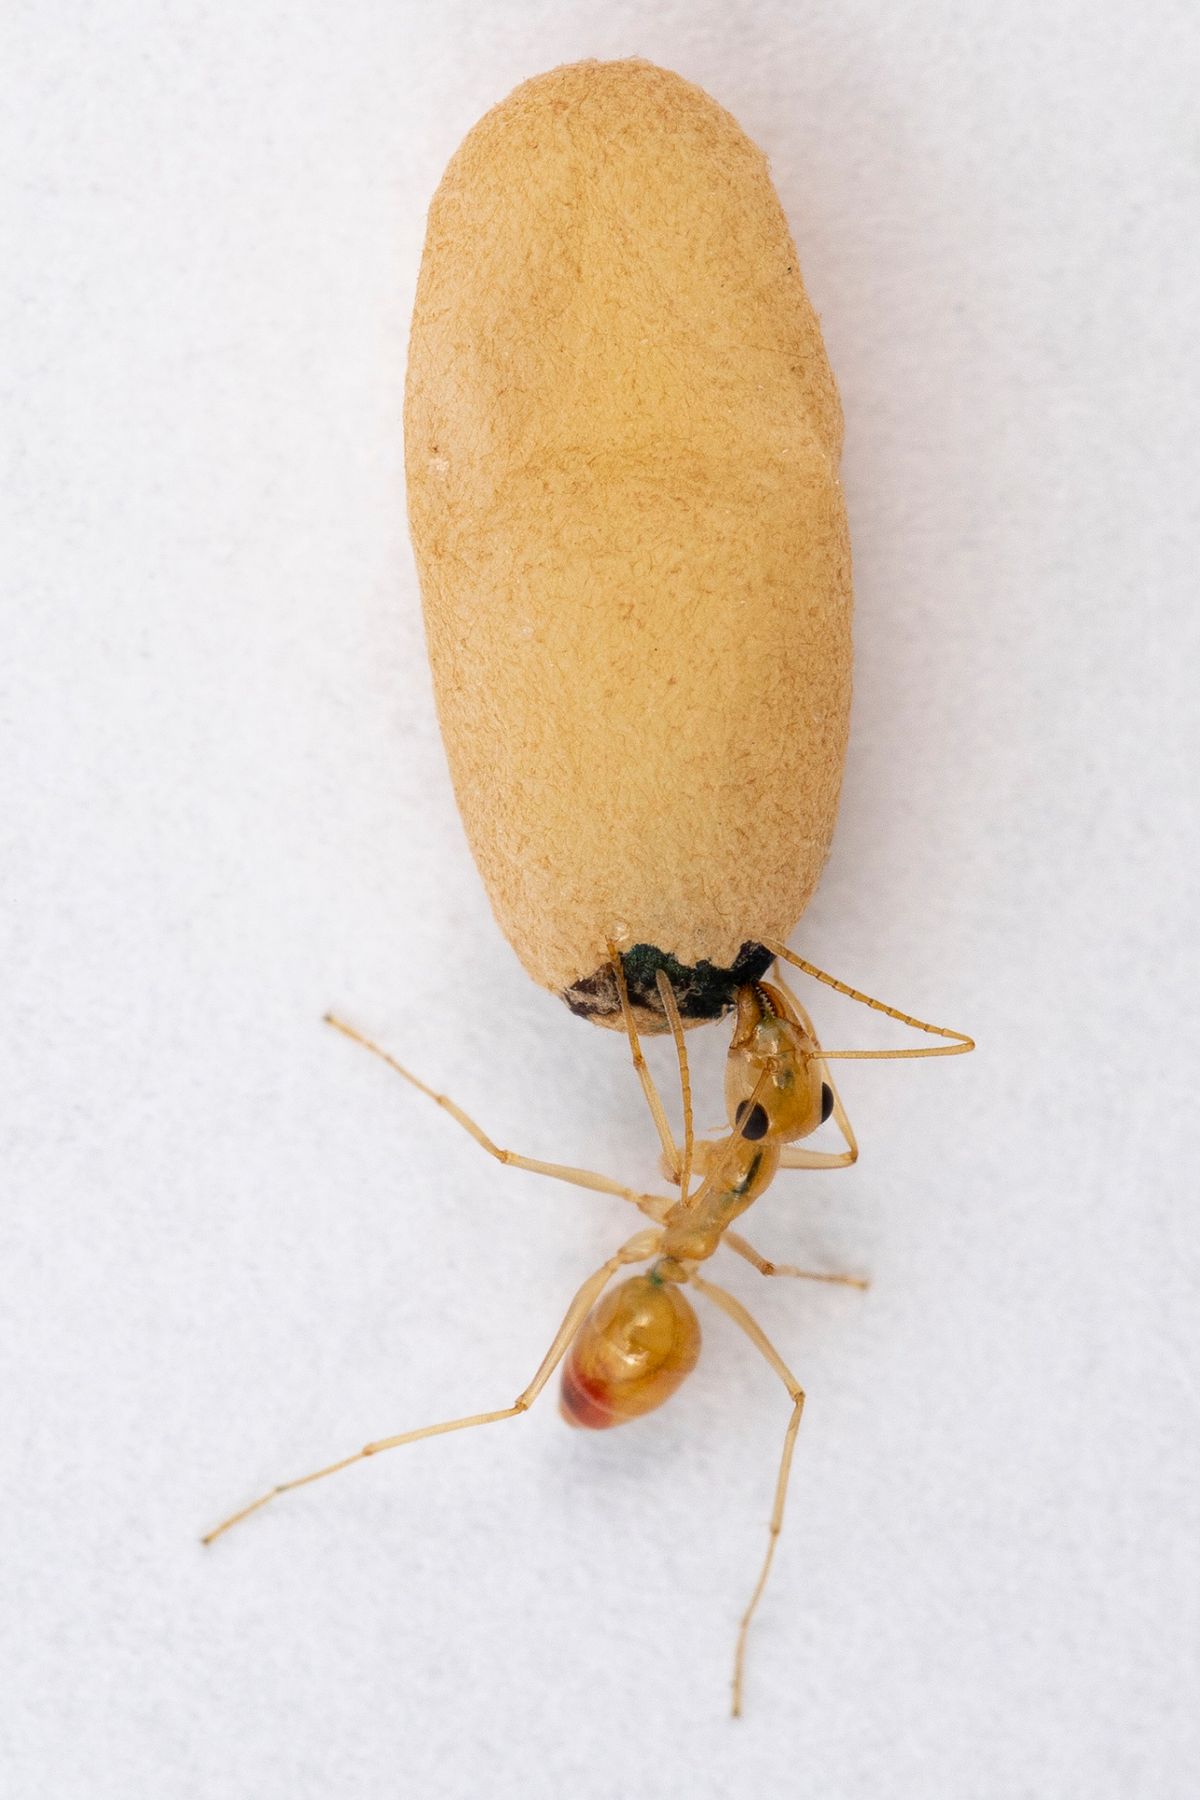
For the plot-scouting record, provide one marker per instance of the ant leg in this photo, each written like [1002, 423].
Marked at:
[714, 1159]
[638, 1249]
[666, 994]
[737, 1312]
[749, 1254]
[794, 1156]
[961, 1044]
[701, 1156]
[650, 1204]
[658, 1111]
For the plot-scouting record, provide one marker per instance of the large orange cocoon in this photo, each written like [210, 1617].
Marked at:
[622, 442]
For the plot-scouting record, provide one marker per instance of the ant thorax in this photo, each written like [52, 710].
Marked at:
[738, 1172]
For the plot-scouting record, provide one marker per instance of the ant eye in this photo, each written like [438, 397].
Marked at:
[755, 1126]
[826, 1101]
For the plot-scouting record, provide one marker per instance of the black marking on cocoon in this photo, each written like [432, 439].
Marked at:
[702, 990]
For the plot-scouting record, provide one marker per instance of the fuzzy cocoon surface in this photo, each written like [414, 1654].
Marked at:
[622, 441]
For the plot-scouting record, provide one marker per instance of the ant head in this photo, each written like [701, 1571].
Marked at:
[773, 1083]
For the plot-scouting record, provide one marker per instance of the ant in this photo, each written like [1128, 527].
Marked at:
[628, 1351]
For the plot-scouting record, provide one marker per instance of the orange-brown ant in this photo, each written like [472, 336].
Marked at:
[627, 1351]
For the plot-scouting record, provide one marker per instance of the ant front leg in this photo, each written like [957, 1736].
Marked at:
[795, 1156]
[671, 1007]
[658, 1112]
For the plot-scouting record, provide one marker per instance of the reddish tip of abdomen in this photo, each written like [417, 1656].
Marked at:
[583, 1404]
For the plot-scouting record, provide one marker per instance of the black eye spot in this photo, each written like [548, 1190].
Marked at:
[755, 1126]
[826, 1101]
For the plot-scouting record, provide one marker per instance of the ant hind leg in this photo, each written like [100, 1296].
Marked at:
[758, 1337]
[638, 1249]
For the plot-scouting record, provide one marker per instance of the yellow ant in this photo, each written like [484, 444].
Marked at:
[628, 1352]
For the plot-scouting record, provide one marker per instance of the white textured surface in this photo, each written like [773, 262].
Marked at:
[232, 1246]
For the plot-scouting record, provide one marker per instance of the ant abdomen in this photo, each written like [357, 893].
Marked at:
[630, 1354]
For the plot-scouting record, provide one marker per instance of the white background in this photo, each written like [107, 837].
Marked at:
[233, 1246]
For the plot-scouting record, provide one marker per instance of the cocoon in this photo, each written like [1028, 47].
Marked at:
[622, 440]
